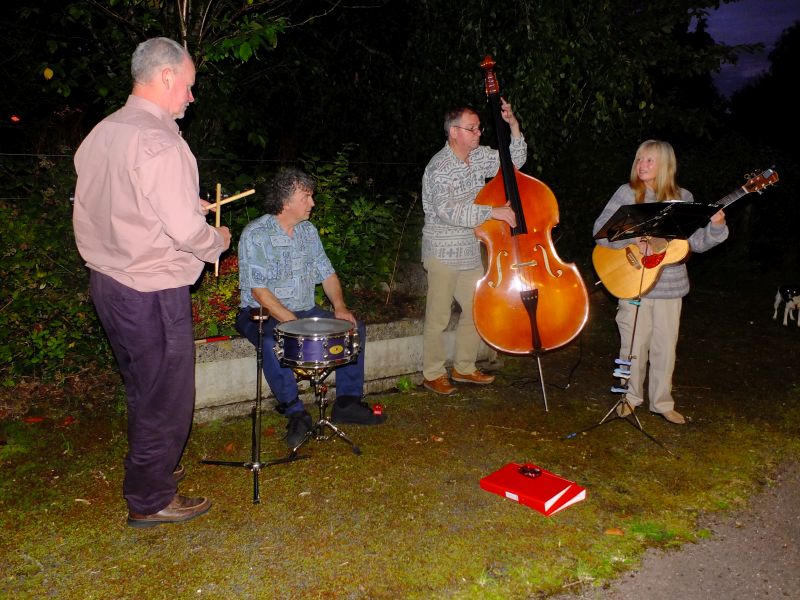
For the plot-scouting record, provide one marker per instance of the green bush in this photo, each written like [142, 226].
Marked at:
[360, 228]
[48, 327]
[215, 300]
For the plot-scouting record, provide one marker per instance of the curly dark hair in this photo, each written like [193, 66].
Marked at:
[280, 188]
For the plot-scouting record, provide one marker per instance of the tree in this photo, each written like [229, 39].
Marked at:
[380, 73]
[766, 109]
[764, 120]
[78, 53]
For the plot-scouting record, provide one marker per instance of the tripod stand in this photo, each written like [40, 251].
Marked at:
[254, 464]
[622, 408]
[316, 376]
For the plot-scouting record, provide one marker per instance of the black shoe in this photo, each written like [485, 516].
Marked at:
[299, 424]
[358, 413]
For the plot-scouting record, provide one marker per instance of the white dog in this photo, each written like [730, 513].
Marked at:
[790, 294]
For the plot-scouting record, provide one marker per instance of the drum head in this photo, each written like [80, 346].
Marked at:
[315, 326]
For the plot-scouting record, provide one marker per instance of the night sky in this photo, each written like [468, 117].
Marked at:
[749, 22]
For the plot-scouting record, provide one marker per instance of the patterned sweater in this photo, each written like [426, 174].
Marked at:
[449, 188]
[674, 279]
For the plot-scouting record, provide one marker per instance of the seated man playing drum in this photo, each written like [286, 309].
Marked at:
[281, 260]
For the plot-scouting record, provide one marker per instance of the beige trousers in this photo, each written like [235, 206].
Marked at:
[444, 285]
[654, 342]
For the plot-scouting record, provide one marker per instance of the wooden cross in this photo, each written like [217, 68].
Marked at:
[218, 213]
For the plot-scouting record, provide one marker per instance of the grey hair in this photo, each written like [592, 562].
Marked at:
[453, 115]
[154, 53]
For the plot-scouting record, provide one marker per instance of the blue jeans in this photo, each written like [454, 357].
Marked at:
[281, 380]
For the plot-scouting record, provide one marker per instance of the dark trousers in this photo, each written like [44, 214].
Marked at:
[152, 338]
[281, 380]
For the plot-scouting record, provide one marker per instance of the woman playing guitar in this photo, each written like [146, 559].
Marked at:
[649, 323]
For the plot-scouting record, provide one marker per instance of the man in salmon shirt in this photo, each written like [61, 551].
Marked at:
[140, 226]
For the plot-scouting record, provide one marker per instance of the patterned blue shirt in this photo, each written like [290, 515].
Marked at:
[289, 267]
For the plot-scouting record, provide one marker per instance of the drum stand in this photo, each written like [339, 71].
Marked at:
[254, 464]
[316, 376]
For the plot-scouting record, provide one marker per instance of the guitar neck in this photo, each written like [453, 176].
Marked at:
[731, 198]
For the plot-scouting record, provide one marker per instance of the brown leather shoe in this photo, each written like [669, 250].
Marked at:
[440, 385]
[474, 377]
[179, 510]
[179, 473]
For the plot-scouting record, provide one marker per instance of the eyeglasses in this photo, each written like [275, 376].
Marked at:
[479, 130]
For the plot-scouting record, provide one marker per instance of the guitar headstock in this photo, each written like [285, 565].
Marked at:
[756, 183]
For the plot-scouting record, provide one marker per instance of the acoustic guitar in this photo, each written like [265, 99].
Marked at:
[628, 272]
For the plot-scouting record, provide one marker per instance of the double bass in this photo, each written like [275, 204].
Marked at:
[529, 301]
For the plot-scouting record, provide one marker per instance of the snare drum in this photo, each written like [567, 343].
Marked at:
[316, 342]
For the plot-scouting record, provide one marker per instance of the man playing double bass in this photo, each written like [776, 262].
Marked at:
[451, 253]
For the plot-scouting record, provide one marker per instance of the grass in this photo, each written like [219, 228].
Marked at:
[407, 518]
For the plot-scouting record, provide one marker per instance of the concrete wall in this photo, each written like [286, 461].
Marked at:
[226, 370]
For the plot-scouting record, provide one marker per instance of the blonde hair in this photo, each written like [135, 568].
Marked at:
[665, 186]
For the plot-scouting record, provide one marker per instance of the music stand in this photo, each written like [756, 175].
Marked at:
[254, 464]
[669, 220]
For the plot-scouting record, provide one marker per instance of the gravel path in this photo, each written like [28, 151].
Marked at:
[753, 553]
